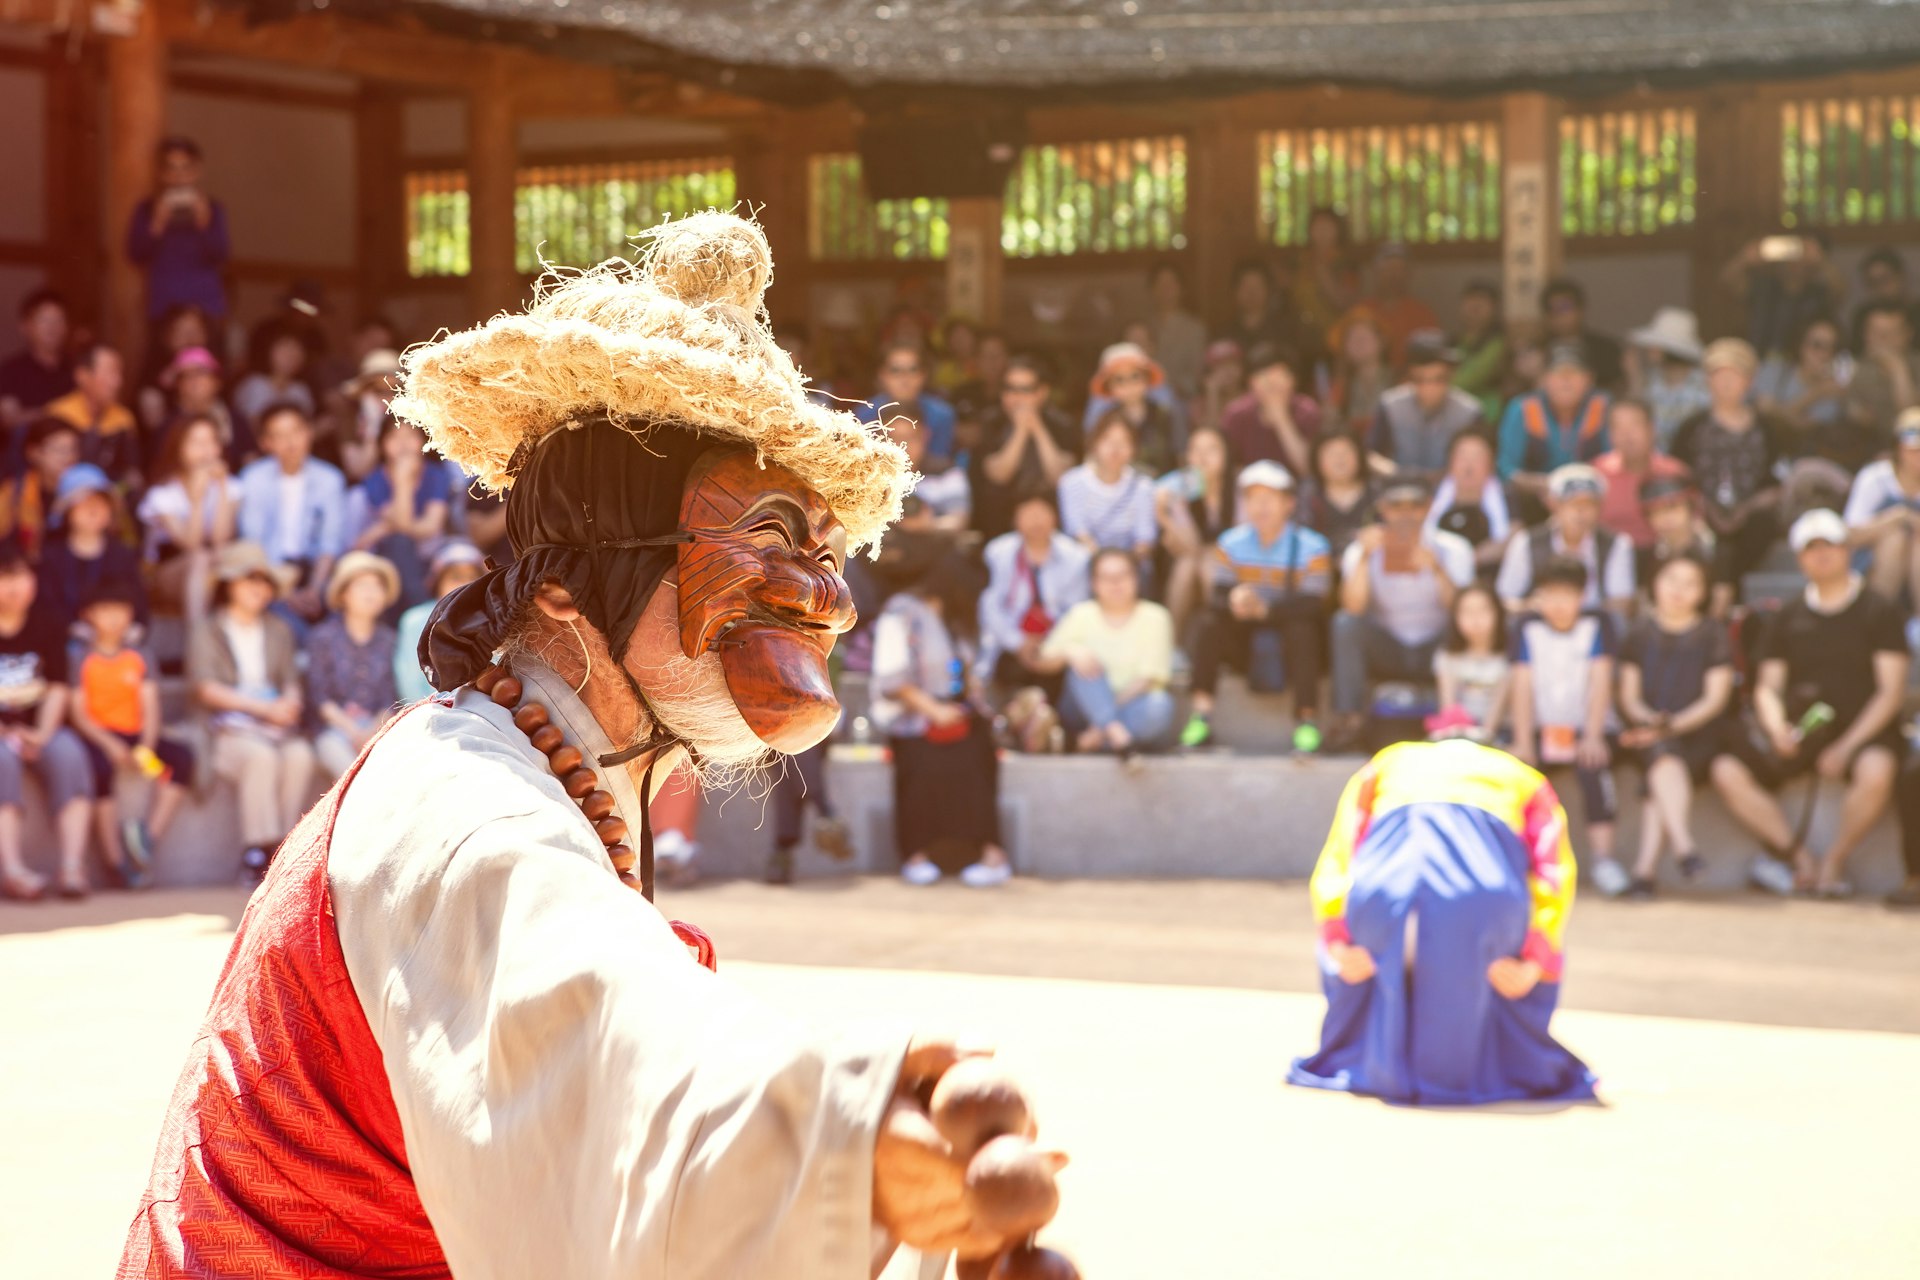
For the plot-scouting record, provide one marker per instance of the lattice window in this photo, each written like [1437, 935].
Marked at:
[579, 214]
[843, 225]
[1850, 162]
[1627, 173]
[1097, 197]
[1424, 184]
[437, 237]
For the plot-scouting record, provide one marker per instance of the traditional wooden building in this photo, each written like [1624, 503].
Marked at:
[423, 156]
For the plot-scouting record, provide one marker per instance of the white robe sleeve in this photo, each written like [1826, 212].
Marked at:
[578, 1097]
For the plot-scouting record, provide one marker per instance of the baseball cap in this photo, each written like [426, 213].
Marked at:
[1818, 525]
[1405, 489]
[76, 482]
[1266, 474]
[1662, 487]
[1567, 355]
[1575, 480]
[1429, 346]
[1906, 427]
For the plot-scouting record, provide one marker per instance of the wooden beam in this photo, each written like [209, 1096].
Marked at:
[284, 95]
[1223, 209]
[494, 284]
[770, 172]
[380, 230]
[76, 242]
[1530, 205]
[136, 119]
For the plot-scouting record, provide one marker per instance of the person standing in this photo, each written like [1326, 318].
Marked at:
[179, 235]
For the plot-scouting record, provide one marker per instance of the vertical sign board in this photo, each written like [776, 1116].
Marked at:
[1526, 248]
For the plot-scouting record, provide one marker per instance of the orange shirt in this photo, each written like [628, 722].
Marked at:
[110, 688]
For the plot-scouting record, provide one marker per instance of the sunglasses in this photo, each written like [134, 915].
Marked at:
[903, 369]
[1020, 388]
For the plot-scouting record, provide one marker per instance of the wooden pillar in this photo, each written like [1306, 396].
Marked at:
[380, 229]
[770, 172]
[1223, 212]
[136, 120]
[494, 284]
[975, 263]
[1530, 203]
[76, 243]
[1737, 168]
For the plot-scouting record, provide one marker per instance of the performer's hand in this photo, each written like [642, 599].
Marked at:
[1513, 977]
[1355, 963]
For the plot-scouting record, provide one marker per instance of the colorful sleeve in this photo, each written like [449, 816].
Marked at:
[1333, 873]
[1550, 880]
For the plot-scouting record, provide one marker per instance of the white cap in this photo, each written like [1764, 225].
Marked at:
[1575, 480]
[1267, 474]
[1819, 525]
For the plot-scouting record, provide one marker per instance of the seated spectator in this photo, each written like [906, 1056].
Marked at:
[455, 565]
[109, 436]
[959, 343]
[40, 372]
[1270, 576]
[1035, 573]
[1784, 284]
[1563, 306]
[278, 375]
[1481, 342]
[1471, 502]
[979, 396]
[1806, 394]
[243, 665]
[1129, 382]
[1886, 382]
[1676, 685]
[1473, 668]
[1223, 380]
[1338, 499]
[1273, 420]
[1397, 583]
[400, 511]
[1883, 283]
[350, 683]
[1193, 506]
[1731, 449]
[902, 388]
[1359, 372]
[191, 511]
[1326, 280]
[192, 384]
[1418, 419]
[942, 488]
[1179, 337]
[1634, 459]
[294, 507]
[1106, 501]
[364, 412]
[1842, 646]
[1563, 701]
[1572, 530]
[1883, 516]
[1258, 319]
[1026, 446]
[85, 549]
[946, 776]
[1398, 312]
[34, 737]
[1663, 370]
[1116, 653]
[1672, 511]
[1563, 422]
[51, 445]
[115, 703]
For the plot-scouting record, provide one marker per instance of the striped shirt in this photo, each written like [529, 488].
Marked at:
[1119, 514]
[1297, 563]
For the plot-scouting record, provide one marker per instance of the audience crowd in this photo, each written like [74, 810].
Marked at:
[1539, 536]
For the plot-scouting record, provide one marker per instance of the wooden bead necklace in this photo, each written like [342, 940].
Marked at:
[568, 765]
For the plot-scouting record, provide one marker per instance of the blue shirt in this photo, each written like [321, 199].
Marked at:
[183, 262]
[931, 412]
[1297, 563]
[318, 528]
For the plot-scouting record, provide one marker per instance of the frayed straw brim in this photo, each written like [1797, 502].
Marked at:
[679, 339]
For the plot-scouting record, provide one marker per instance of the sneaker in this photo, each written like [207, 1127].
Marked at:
[1306, 738]
[139, 847]
[1610, 878]
[1692, 866]
[831, 837]
[986, 875]
[1640, 889]
[920, 872]
[1770, 875]
[1197, 733]
[253, 867]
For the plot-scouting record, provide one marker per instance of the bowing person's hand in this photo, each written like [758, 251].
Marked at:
[1354, 963]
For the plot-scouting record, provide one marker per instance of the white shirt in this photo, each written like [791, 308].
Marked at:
[1408, 604]
[248, 640]
[1613, 581]
[289, 539]
[172, 501]
[1875, 489]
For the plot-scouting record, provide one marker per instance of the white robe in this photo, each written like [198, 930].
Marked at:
[579, 1098]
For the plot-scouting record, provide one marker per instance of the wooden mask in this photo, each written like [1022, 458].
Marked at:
[760, 585]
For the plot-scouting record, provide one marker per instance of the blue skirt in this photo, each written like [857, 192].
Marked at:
[1431, 1029]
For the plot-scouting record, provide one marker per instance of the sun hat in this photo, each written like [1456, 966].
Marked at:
[1730, 352]
[239, 560]
[1675, 331]
[1575, 480]
[1124, 355]
[1265, 474]
[681, 338]
[1818, 525]
[76, 482]
[357, 564]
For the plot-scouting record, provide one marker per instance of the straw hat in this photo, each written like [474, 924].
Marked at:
[1675, 331]
[239, 560]
[357, 564]
[680, 338]
[1125, 355]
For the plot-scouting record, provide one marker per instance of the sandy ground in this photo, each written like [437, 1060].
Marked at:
[1758, 1061]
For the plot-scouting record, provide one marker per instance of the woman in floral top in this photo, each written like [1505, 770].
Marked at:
[350, 660]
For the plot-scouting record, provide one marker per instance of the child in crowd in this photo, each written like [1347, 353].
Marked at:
[1563, 700]
[26, 501]
[1472, 669]
[85, 550]
[350, 660]
[1676, 681]
[116, 711]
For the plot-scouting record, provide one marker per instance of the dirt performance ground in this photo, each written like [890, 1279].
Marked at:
[1758, 1065]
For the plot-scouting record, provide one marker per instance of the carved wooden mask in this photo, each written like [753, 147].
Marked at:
[760, 585]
